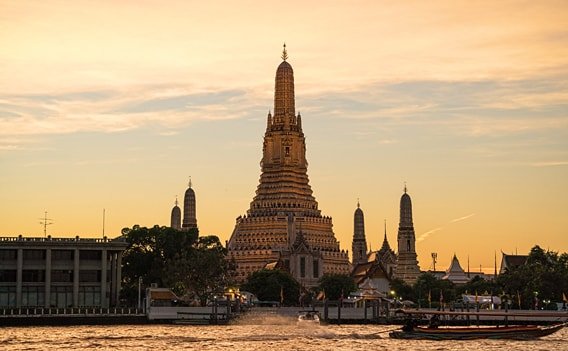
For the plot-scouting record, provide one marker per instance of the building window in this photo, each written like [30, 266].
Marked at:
[7, 276]
[62, 255]
[7, 296]
[34, 255]
[62, 276]
[316, 269]
[33, 296]
[90, 276]
[408, 245]
[287, 151]
[302, 267]
[8, 255]
[94, 255]
[33, 276]
[90, 296]
[61, 296]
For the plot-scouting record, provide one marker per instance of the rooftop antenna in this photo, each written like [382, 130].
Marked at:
[434, 258]
[45, 222]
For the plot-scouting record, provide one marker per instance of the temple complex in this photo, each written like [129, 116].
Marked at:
[283, 226]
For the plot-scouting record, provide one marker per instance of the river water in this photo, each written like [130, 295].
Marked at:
[255, 335]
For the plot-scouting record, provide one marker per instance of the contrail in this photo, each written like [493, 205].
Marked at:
[462, 218]
[425, 235]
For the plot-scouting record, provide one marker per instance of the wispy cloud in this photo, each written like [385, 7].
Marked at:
[24, 117]
[462, 218]
[425, 235]
[550, 164]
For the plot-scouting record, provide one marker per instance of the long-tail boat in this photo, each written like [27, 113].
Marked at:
[435, 332]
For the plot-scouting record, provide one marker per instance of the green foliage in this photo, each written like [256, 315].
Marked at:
[336, 285]
[180, 260]
[273, 285]
[543, 277]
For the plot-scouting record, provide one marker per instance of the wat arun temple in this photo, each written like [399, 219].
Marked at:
[284, 228]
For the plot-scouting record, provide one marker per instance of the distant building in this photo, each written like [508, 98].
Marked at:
[60, 272]
[176, 217]
[283, 226]
[359, 246]
[509, 262]
[407, 264]
[455, 273]
[189, 212]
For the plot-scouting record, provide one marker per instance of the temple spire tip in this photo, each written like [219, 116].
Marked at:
[284, 53]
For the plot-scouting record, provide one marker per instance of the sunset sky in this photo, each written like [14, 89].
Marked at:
[114, 104]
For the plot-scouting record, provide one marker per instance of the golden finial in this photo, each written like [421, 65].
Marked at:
[189, 181]
[284, 53]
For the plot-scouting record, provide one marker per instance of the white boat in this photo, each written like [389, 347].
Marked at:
[308, 317]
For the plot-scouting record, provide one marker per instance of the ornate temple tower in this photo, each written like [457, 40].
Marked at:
[407, 265]
[176, 217]
[189, 217]
[284, 206]
[359, 246]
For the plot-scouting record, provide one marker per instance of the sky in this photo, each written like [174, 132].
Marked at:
[114, 104]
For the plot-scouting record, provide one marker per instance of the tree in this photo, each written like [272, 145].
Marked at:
[544, 276]
[336, 286]
[273, 285]
[180, 260]
[201, 270]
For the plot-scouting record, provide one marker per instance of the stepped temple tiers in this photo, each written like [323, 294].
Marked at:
[284, 227]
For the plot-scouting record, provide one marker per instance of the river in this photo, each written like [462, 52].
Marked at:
[272, 334]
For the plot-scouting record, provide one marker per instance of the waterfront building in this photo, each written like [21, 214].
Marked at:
[509, 262]
[283, 225]
[378, 267]
[60, 272]
[359, 246]
[407, 264]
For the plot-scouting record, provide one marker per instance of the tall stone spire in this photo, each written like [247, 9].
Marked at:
[284, 183]
[284, 101]
[359, 246]
[284, 205]
[176, 217]
[407, 265]
[189, 212]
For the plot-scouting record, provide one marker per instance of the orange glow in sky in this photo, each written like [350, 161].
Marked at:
[115, 104]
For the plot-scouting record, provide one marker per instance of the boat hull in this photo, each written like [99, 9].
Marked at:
[514, 333]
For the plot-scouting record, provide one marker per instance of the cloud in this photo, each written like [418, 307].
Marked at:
[550, 164]
[462, 218]
[425, 235]
[23, 117]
